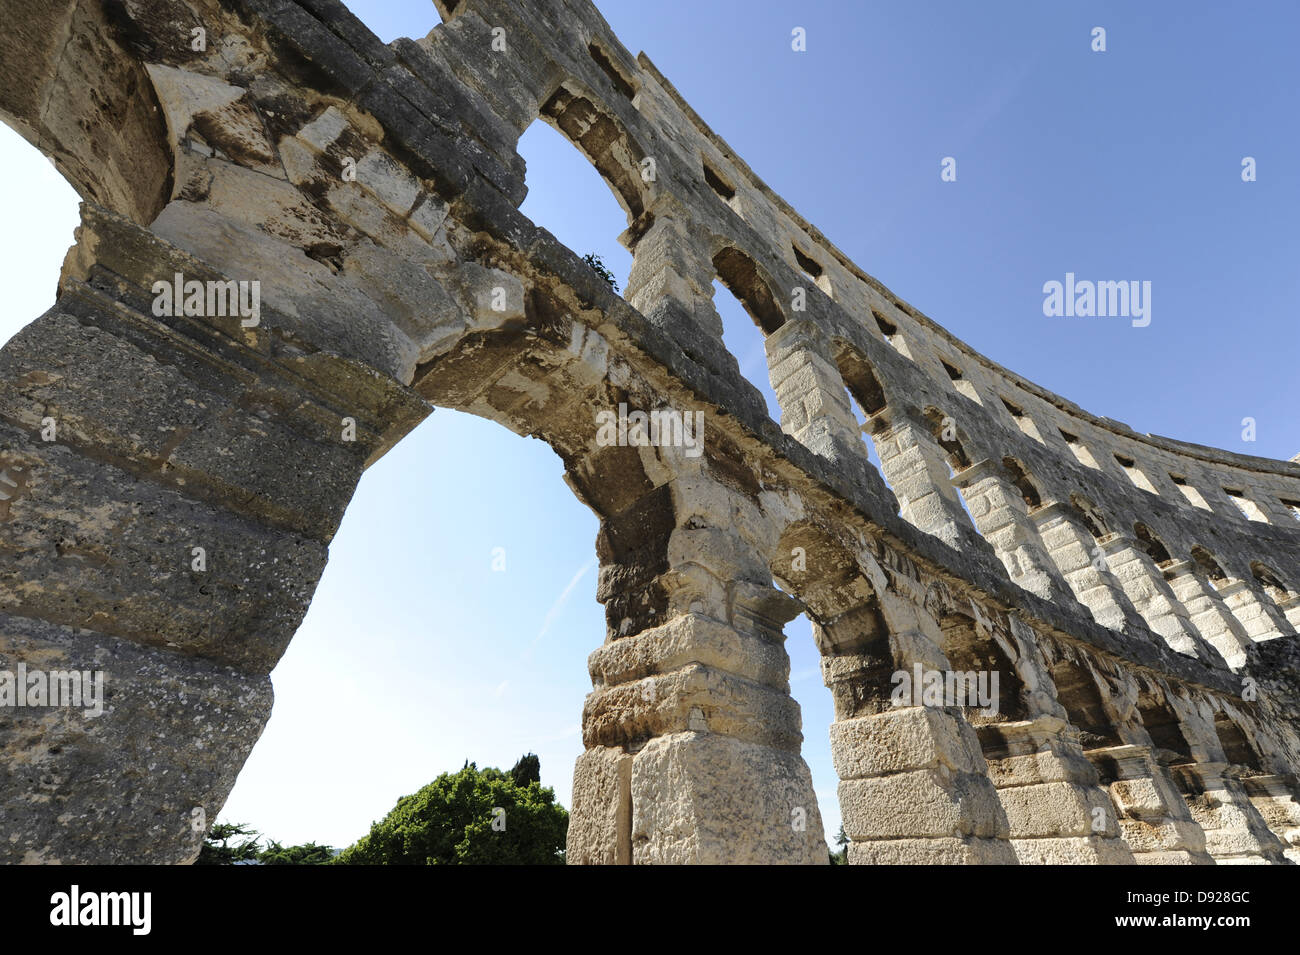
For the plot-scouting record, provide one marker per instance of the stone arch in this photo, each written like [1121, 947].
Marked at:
[107, 137]
[1237, 748]
[1207, 565]
[1152, 545]
[606, 143]
[742, 276]
[1092, 517]
[1077, 691]
[860, 379]
[953, 446]
[969, 649]
[1164, 727]
[1024, 484]
[1277, 591]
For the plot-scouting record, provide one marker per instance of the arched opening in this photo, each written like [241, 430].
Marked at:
[447, 626]
[1166, 731]
[867, 396]
[1236, 747]
[1207, 565]
[739, 273]
[607, 145]
[1087, 512]
[1151, 545]
[847, 648]
[1023, 484]
[31, 256]
[568, 196]
[944, 429]
[1077, 691]
[747, 344]
[1277, 591]
[970, 651]
[105, 129]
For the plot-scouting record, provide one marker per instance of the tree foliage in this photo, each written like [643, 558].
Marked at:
[601, 269]
[309, 853]
[472, 817]
[218, 850]
[841, 857]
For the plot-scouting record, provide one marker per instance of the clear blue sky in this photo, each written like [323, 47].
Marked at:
[1126, 164]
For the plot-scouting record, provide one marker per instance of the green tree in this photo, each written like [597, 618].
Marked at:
[841, 857]
[472, 817]
[217, 849]
[527, 770]
[308, 853]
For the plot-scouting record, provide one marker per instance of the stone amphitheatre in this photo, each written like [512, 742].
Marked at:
[1138, 597]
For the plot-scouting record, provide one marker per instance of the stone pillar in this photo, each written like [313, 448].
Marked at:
[814, 402]
[1260, 618]
[1277, 798]
[671, 284]
[1146, 587]
[168, 530]
[1290, 608]
[1057, 812]
[1072, 547]
[1235, 832]
[917, 471]
[1209, 614]
[914, 787]
[1003, 519]
[692, 737]
[1153, 818]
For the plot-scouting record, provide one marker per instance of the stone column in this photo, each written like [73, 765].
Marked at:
[1057, 812]
[1260, 619]
[1277, 798]
[1235, 832]
[173, 484]
[1208, 613]
[1153, 818]
[814, 402]
[671, 284]
[692, 737]
[1072, 547]
[914, 787]
[1003, 519]
[1146, 587]
[915, 466]
[1290, 608]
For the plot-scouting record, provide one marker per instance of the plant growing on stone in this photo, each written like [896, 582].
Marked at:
[601, 269]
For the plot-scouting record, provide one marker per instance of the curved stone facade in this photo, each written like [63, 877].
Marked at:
[172, 477]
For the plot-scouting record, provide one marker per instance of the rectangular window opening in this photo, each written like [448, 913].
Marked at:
[1249, 509]
[718, 184]
[1135, 473]
[892, 335]
[1023, 421]
[1191, 493]
[1080, 450]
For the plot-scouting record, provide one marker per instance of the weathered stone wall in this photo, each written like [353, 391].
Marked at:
[1143, 629]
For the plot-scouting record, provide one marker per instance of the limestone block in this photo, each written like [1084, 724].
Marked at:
[704, 798]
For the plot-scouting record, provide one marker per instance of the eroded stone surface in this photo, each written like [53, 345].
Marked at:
[1143, 629]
